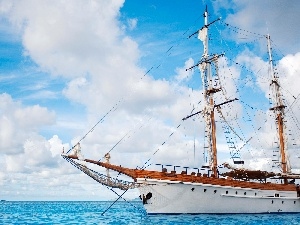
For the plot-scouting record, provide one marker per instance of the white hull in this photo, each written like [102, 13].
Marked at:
[173, 197]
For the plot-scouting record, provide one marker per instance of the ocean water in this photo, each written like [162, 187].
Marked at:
[51, 212]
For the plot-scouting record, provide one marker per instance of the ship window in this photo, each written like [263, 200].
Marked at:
[193, 189]
[226, 192]
[236, 192]
[282, 202]
[294, 202]
[276, 195]
[255, 194]
[204, 190]
[272, 201]
[215, 191]
[245, 193]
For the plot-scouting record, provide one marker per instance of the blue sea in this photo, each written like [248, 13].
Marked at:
[59, 212]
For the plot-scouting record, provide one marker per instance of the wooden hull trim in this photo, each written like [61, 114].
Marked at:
[178, 178]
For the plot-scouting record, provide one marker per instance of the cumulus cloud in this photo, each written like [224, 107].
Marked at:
[278, 18]
[18, 122]
[182, 74]
[61, 39]
[85, 43]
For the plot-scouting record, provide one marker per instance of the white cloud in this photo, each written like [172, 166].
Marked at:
[62, 39]
[132, 23]
[266, 138]
[37, 154]
[278, 18]
[57, 146]
[84, 42]
[182, 74]
[288, 69]
[19, 122]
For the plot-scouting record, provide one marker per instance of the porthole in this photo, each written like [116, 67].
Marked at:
[236, 192]
[226, 192]
[282, 202]
[215, 191]
[204, 190]
[245, 193]
[272, 201]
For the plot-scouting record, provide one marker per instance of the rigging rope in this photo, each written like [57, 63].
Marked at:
[116, 144]
[92, 129]
[78, 166]
[148, 71]
[221, 114]
[124, 137]
[237, 28]
[144, 166]
[120, 196]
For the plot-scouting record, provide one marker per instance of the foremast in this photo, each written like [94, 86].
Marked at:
[278, 109]
[209, 105]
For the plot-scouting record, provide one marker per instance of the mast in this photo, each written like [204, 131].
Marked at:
[204, 65]
[206, 75]
[278, 110]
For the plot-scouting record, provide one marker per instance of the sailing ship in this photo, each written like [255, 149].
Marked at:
[207, 190]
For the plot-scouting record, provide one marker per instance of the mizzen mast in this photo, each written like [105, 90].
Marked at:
[278, 110]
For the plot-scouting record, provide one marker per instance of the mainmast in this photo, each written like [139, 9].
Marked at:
[278, 110]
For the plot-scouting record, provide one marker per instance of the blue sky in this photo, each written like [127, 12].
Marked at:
[65, 64]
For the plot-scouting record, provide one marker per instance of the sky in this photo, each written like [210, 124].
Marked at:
[64, 65]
